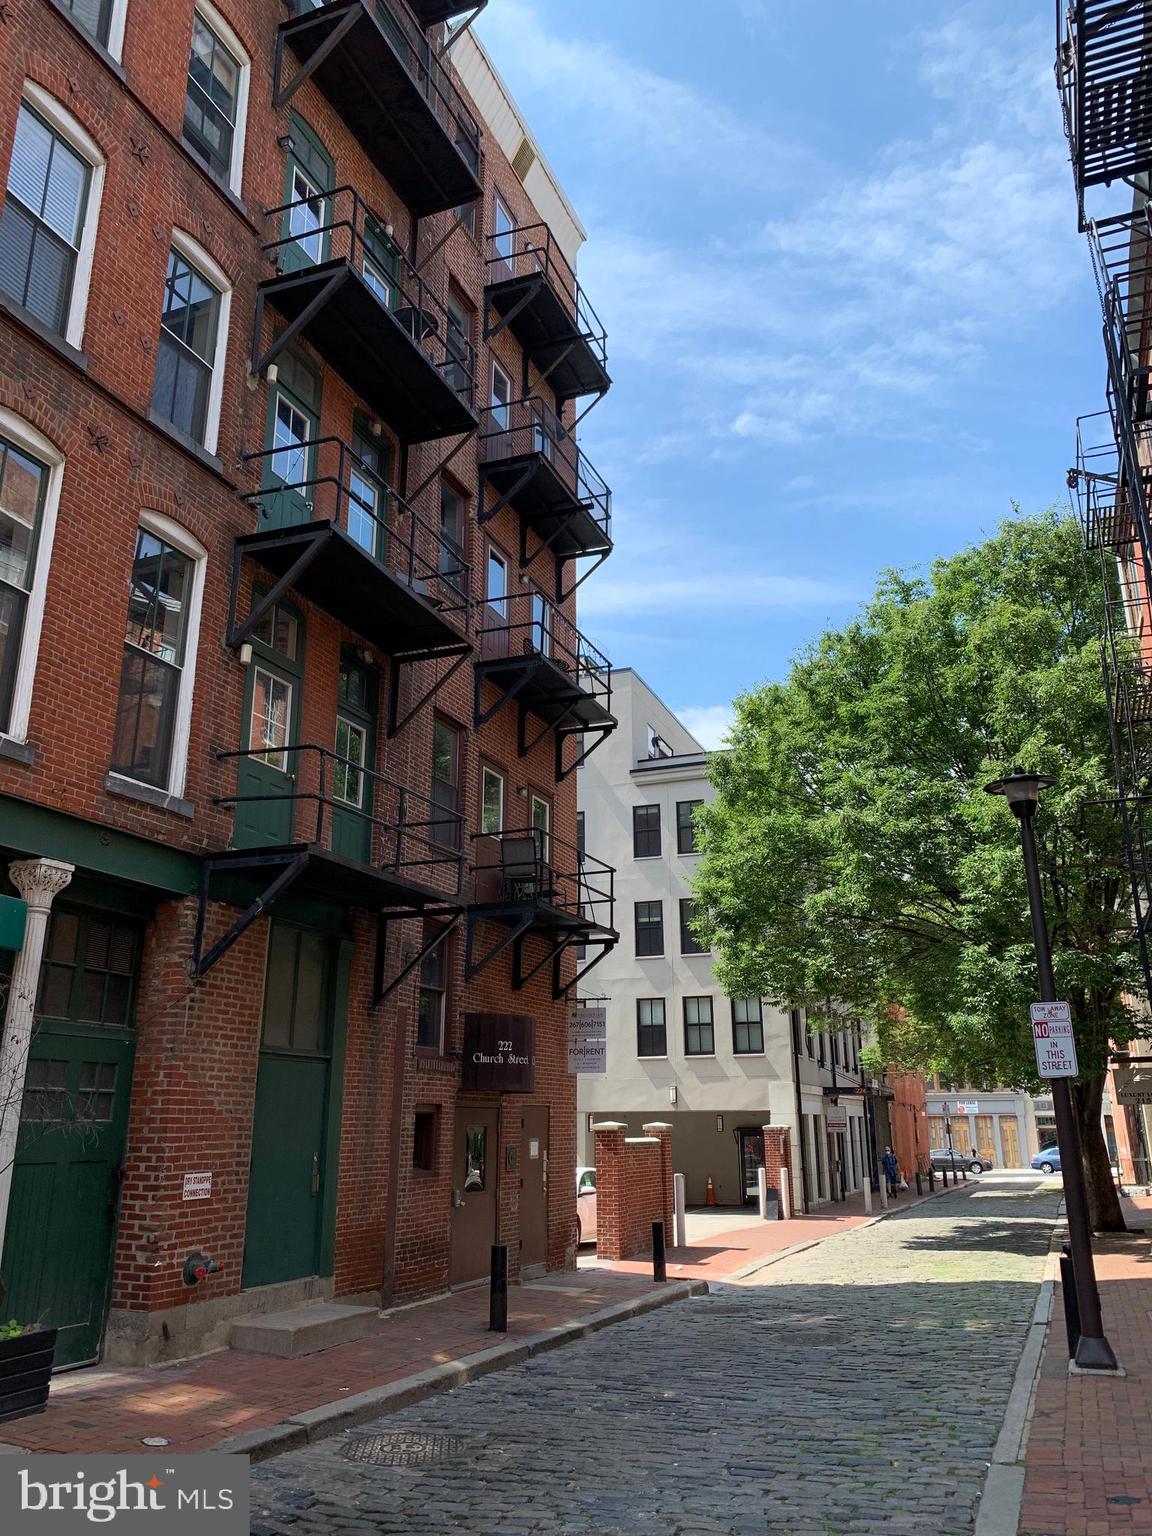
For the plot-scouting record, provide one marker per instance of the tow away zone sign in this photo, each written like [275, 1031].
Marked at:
[1053, 1039]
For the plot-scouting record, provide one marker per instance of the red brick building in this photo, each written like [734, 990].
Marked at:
[292, 512]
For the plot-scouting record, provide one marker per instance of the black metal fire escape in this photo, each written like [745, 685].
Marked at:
[1104, 73]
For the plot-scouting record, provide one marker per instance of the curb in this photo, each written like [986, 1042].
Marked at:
[755, 1265]
[1003, 1496]
[314, 1424]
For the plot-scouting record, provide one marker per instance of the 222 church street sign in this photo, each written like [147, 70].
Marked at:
[1054, 1040]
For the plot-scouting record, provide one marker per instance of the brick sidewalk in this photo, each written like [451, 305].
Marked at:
[723, 1253]
[1089, 1454]
[195, 1405]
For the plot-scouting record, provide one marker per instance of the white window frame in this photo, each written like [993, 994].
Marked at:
[180, 539]
[62, 122]
[191, 250]
[117, 24]
[498, 605]
[501, 405]
[487, 773]
[26, 437]
[212, 18]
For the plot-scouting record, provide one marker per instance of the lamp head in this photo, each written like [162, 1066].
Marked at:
[1021, 790]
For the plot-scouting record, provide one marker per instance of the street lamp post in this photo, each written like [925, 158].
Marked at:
[1022, 792]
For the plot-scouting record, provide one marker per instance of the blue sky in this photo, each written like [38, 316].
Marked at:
[849, 316]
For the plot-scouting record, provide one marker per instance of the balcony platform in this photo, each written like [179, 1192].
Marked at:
[330, 569]
[384, 80]
[570, 356]
[378, 351]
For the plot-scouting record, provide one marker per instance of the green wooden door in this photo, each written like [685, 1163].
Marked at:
[266, 776]
[310, 177]
[286, 1185]
[290, 466]
[57, 1262]
[353, 791]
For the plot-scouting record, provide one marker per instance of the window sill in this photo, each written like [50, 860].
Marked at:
[18, 751]
[214, 177]
[189, 444]
[699, 1055]
[742, 1054]
[44, 333]
[107, 59]
[639, 1057]
[130, 789]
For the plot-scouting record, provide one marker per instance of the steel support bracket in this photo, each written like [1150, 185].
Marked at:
[382, 990]
[397, 721]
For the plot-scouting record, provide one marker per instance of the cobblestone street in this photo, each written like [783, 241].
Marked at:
[855, 1388]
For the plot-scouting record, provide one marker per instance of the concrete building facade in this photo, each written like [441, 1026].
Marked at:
[717, 1069]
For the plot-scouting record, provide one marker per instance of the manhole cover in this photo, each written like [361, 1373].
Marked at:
[404, 1450]
[1123, 1498]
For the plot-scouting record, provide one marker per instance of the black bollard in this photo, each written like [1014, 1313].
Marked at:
[931, 1180]
[498, 1300]
[964, 1174]
[919, 1184]
[659, 1260]
[1071, 1301]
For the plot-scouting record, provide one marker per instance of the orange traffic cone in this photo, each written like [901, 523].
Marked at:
[710, 1193]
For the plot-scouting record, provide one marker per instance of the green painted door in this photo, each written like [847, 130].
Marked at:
[310, 178]
[286, 1185]
[266, 775]
[353, 790]
[290, 474]
[57, 1262]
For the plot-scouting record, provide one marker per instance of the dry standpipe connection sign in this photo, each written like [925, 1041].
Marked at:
[204, 1495]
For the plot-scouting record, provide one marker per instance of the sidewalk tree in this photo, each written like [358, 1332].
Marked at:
[851, 851]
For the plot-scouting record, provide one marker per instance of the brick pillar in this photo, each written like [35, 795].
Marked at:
[611, 1189]
[778, 1156]
[663, 1132]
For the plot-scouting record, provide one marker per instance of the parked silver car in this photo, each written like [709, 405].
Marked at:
[962, 1161]
[586, 1204]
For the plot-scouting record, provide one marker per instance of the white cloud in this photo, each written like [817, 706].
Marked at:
[709, 723]
[863, 293]
[634, 113]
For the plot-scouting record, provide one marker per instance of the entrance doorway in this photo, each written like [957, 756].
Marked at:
[474, 1179]
[751, 1162]
[57, 1263]
[534, 1185]
[286, 1183]
[1010, 1141]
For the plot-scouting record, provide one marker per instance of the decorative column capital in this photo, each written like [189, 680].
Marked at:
[40, 881]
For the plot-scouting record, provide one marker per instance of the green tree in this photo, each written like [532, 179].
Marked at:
[851, 852]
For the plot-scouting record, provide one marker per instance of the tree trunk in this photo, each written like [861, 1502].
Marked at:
[1104, 1213]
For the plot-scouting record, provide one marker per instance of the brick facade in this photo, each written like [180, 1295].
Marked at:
[633, 1189]
[198, 1041]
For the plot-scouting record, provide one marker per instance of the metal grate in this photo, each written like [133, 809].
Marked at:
[404, 1450]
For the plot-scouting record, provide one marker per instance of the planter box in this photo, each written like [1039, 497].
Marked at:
[25, 1373]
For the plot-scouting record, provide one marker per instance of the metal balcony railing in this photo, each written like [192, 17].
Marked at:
[416, 52]
[1109, 525]
[526, 427]
[335, 804]
[1104, 73]
[322, 479]
[526, 627]
[528, 866]
[337, 226]
[529, 251]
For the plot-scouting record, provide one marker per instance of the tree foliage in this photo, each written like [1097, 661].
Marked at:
[852, 854]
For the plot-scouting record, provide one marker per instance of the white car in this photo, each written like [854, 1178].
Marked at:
[586, 1205]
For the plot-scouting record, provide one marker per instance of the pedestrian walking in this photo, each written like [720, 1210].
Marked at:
[891, 1172]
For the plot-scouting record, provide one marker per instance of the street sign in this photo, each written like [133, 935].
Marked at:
[1054, 1040]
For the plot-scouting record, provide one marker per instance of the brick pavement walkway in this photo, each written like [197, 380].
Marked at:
[858, 1389]
[197, 1404]
[1089, 1453]
[722, 1251]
